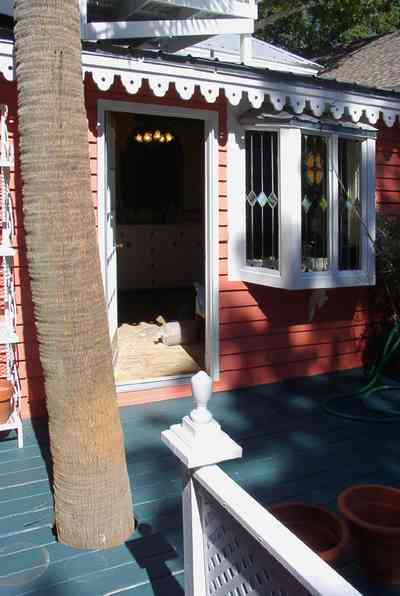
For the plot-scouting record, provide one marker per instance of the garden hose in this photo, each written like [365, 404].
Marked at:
[374, 385]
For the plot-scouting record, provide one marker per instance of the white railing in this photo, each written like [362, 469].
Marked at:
[8, 323]
[232, 545]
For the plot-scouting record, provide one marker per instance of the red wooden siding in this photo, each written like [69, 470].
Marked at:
[265, 333]
[388, 170]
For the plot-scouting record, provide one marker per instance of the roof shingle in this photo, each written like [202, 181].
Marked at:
[372, 62]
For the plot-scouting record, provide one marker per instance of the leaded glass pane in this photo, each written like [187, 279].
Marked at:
[262, 200]
[315, 203]
[349, 204]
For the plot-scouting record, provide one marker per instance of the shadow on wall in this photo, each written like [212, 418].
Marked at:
[269, 334]
[30, 369]
[29, 366]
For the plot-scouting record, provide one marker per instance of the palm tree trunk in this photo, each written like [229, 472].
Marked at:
[93, 506]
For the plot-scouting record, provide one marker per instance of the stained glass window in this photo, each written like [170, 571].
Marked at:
[350, 213]
[315, 205]
[262, 200]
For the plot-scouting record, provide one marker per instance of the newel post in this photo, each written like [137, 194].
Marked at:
[198, 441]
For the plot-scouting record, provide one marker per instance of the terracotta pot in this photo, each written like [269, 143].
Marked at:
[372, 513]
[5, 400]
[317, 527]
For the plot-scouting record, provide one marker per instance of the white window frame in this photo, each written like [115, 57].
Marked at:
[289, 276]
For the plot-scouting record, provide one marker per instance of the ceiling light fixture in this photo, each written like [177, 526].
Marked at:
[157, 136]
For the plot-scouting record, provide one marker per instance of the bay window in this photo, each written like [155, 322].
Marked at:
[307, 202]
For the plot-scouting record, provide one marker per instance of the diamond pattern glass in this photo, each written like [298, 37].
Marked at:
[306, 204]
[262, 199]
[252, 198]
[323, 204]
[272, 200]
[262, 219]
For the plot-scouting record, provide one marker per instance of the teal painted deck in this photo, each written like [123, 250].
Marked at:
[292, 450]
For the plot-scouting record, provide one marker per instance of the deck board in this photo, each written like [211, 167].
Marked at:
[293, 450]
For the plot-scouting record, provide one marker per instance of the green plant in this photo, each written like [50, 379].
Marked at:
[386, 294]
[385, 298]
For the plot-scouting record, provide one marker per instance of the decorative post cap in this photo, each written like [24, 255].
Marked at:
[199, 440]
[202, 392]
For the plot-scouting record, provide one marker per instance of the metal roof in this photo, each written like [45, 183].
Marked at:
[227, 49]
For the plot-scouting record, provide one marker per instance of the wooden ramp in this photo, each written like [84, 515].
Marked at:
[292, 450]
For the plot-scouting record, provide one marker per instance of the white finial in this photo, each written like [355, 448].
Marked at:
[198, 440]
[202, 392]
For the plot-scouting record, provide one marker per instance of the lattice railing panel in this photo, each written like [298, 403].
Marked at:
[236, 563]
[9, 323]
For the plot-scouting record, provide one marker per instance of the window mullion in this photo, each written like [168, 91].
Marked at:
[368, 187]
[290, 189]
[334, 203]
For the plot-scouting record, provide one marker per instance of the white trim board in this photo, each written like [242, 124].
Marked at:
[210, 119]
[237, 85]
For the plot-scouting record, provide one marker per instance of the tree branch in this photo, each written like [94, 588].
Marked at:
[282, 14]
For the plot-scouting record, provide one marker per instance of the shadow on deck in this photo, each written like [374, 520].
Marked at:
[293, 450]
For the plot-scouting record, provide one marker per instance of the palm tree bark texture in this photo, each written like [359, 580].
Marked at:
[93, 504]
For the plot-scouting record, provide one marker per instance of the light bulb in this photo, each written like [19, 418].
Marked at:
[169, 137]
[139, 138]
[157, 135]
[162, 139]
[147, 137]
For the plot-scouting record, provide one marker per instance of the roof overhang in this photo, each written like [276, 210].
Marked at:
[160, 21]
[165, 20]
[238, 83]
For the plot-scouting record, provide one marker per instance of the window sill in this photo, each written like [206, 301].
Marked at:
[307, 281]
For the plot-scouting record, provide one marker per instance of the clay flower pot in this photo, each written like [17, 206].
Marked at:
[5, 400]
[372, 513]
[317, 527]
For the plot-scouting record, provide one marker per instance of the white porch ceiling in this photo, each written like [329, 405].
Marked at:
[140, 20]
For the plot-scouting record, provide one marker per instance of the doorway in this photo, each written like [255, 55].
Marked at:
[155, 246]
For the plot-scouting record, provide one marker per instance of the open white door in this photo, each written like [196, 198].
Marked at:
[111, 234]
